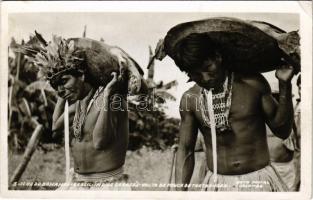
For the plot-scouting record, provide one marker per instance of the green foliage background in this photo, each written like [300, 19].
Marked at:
[33, 99]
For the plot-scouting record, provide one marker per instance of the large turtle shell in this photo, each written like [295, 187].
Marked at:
[247, 48]
[100, 60]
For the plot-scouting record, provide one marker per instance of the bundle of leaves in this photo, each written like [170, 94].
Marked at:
[30, 100]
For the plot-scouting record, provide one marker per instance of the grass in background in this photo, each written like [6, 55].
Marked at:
[148, 166]
[142, 166]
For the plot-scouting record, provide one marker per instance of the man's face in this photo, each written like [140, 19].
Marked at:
[210, 75]
[69, 87]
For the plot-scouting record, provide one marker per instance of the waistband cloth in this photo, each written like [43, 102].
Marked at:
[103, 177]
[265, 179]
[114, 180]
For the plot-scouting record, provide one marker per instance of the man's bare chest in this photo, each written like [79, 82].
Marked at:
[88, 120]
[245, 103]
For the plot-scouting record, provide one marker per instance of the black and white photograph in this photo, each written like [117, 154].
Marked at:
[204, 98]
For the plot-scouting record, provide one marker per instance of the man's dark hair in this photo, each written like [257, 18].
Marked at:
[76, 72]
[193, 50]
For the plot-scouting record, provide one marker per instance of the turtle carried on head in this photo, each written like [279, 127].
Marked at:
[95, 59]
[249, 46]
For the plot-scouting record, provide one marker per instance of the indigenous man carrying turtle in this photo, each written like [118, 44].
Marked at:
[240, 105]
[100, 124]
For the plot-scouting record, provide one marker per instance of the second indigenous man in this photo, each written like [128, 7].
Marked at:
[241, 105]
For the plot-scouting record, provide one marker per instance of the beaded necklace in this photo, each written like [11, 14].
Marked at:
[221, 105]
[81, 112]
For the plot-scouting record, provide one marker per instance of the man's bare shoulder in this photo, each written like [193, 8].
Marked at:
[192, 93]
[194, 90]
[190, 97]
[256, 81]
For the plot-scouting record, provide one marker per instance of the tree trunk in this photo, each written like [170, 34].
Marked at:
[31, 146]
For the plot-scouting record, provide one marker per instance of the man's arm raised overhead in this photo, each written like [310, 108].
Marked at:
[278, 115]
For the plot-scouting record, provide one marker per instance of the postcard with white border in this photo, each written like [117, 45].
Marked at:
[156, 99]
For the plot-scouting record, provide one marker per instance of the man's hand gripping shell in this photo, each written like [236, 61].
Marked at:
[127, 65]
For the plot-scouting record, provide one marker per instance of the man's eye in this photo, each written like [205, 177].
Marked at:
[63, 81]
